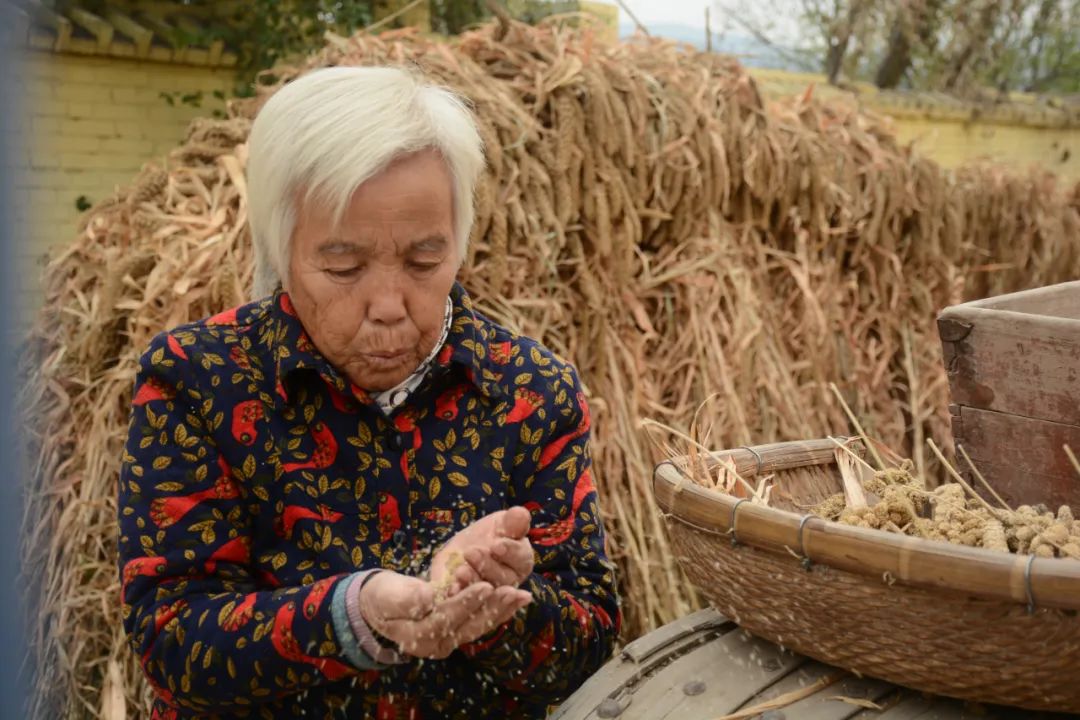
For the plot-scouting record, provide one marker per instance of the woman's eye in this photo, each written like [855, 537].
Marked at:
[423, 266]
[342, 272]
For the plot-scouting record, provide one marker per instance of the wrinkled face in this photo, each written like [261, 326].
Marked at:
[372, 291]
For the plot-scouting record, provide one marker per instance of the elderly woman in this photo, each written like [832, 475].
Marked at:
[357, 496]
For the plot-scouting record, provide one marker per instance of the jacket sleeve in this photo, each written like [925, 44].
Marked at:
[546, 651]
[208, 637]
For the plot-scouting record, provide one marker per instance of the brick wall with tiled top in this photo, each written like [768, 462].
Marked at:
[92, 123]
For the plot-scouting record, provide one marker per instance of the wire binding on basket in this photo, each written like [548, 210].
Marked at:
[1027, 585]
[757, 456]
[807, 563]
[734, 509]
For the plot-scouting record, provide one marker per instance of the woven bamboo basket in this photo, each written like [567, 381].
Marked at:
[946, 619]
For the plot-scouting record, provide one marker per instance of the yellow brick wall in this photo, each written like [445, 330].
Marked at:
[953, 143]
[1019, 135]
[92, 123]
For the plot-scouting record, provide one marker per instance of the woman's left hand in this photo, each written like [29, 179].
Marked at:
[495, 549]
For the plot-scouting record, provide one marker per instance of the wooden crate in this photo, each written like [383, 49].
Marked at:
[1014, 375]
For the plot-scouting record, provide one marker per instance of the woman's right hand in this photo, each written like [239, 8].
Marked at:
[405, 610]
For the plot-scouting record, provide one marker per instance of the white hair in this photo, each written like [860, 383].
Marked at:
[322, 135]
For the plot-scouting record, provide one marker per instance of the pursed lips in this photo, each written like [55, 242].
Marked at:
[386, 361]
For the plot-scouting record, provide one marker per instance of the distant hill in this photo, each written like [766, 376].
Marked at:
[751, 51]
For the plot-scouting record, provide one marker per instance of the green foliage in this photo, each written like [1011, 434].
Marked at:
[191, 99]
[1043, 52]
[450, 17]
[1029, 45]
[265, 32]
[260, 32]
[533, 11]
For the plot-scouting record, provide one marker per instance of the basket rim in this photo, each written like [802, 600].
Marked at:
[931, 564]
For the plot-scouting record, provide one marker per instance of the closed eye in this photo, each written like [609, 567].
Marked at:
[343, 273]
[423, 266]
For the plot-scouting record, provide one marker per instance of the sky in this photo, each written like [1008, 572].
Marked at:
[681, 12]
[692, 13]
[684, 21]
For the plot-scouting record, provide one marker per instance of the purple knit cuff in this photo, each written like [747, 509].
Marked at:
[364, 636]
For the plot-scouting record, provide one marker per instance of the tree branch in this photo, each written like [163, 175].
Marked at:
[640, 25]
[764, 39]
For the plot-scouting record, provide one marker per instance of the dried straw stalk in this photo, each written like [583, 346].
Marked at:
[643, 212]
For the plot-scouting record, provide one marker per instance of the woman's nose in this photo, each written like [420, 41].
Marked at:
[386, 305]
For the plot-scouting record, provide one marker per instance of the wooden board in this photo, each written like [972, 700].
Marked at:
[1016, 361]
[1023, 459]
[1055, 300]
[702, 667]
[1013, 363]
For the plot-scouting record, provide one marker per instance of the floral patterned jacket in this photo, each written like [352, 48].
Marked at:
[256, 479]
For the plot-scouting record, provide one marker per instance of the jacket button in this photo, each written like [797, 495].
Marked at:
[400, 538]
[397, 442]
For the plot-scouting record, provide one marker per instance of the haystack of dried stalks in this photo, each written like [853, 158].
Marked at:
[644, 213]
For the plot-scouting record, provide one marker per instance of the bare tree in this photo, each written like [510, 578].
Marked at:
[916, 25]
[838, 22]
[959, 46]
[1036, 44]
[1046, 55]
[971, 41]
[755, 18]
